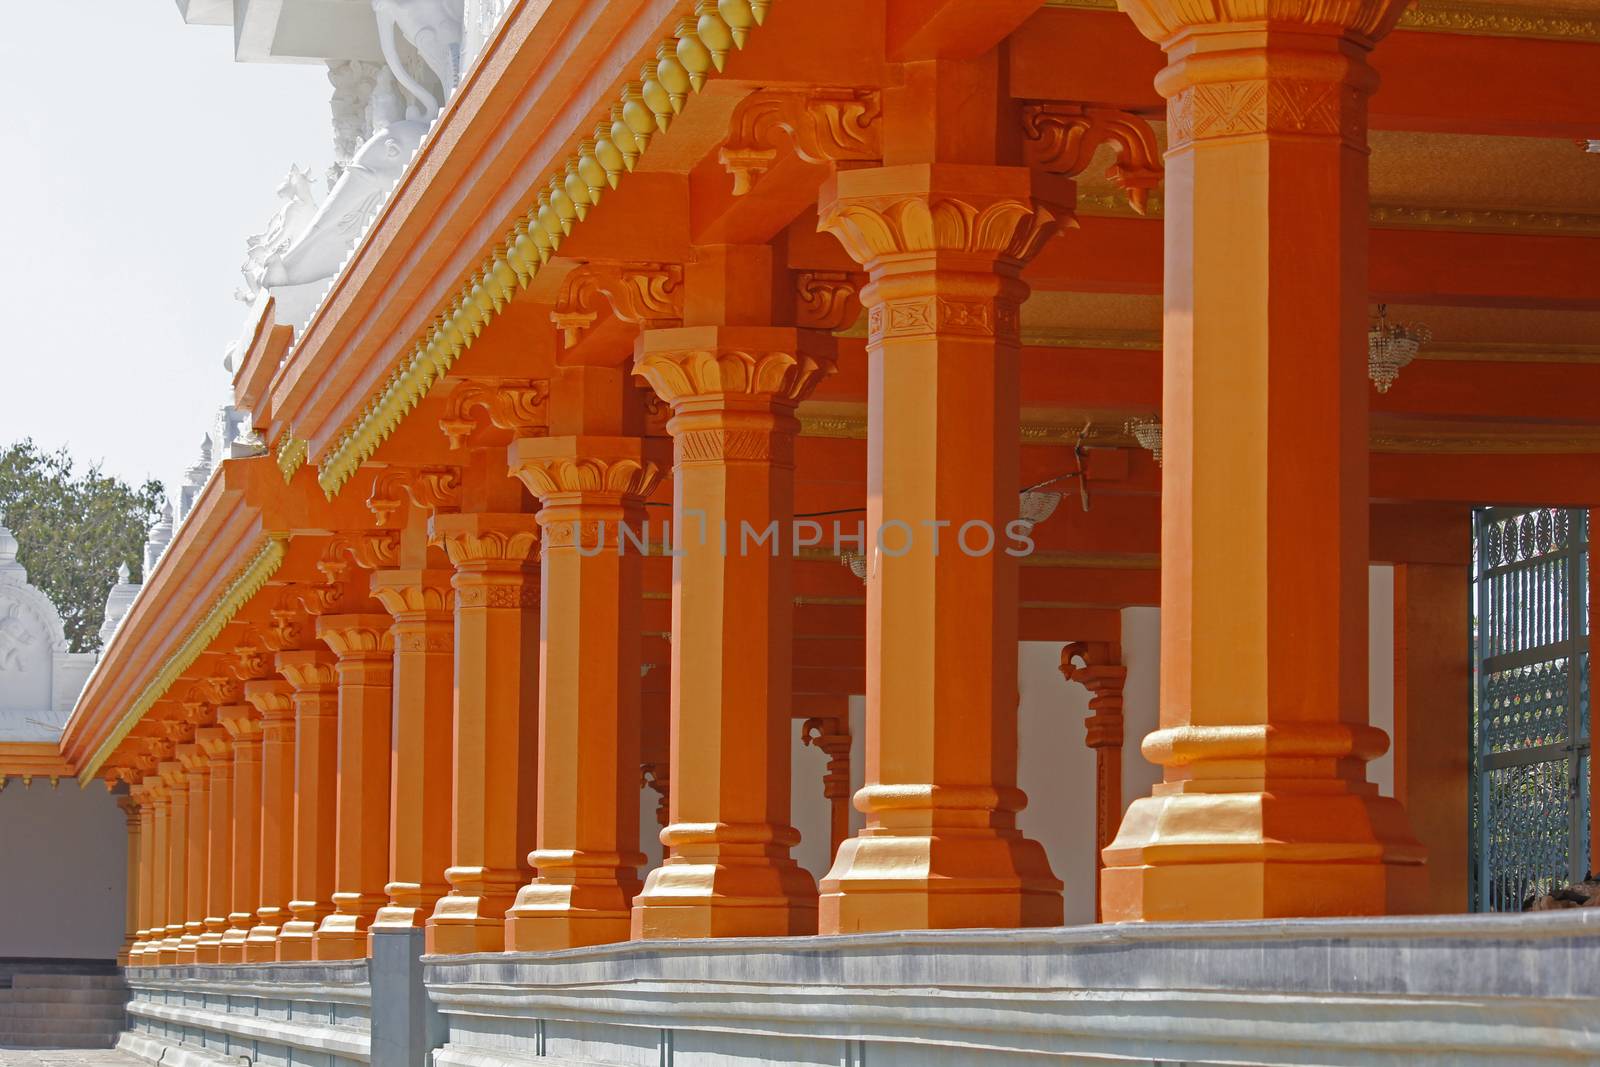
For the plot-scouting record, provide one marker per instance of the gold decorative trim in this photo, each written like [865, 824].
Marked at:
[1457, 16]
[292, 452]
[1515, 441]
[1389, 216]
[244, 585]
[645, 108]
[1062, 337]
[1054, 427]
[1497, 352]
[1099, 561]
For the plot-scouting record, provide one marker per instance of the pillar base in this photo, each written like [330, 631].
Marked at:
[549, 916]
[167, 953]
[233, 941]
[733, 892]
[472, 917]
[297, 941]
[343, 934]
[209, 947]
[956, 878]
[1196, 856]
[408, 906]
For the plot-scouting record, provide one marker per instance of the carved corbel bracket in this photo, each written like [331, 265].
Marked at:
[831, 735]
[655, 776]
[824, 125]
[1062, 139]
[514, 404]
[1092, 664]
[249, 664]
[433, 489]
[647, 295]
[826, 299]
[370, 551]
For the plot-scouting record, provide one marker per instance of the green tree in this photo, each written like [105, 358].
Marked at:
[74, 531]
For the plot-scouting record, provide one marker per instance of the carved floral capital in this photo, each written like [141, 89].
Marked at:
[308, 671]
[906, 212]
[242, 721]
[414, 593]
[600, 468]
[709, 363]
[356, 636]
[271, 697]
[477, 538]
[1164, 20]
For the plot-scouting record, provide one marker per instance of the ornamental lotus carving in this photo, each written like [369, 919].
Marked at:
[682, 374]
[873, 226]
[1161, 20]
[558, 475]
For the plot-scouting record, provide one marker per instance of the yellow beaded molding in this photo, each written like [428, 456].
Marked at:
[291, 454]
[245, 585]
[699, 47]
[1470, 17]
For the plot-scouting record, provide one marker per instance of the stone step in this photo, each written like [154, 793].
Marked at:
[67, 996]
[53, 1010]
[60, 1027]
[68, 981]
[83, 1039]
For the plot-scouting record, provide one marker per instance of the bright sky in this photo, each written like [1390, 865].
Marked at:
[135, 158]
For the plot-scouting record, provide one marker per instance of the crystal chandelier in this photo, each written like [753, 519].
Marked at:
[1148, 433]
[1390, 346]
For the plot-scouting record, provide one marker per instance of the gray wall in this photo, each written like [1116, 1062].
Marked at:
[63, 870]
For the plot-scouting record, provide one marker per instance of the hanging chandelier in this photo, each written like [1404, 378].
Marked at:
[1147, 431]
[1391, 346]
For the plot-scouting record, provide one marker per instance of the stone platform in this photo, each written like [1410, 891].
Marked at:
[1457, 990]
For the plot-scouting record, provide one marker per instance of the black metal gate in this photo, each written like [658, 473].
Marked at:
[1530, 715]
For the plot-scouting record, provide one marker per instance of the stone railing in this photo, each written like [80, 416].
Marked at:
[1472, 990]
[255, 1013]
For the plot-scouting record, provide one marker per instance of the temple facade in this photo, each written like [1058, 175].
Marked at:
[750, 531]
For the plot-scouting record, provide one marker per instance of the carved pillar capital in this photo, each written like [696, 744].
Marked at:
[484, 540]
[582, 469]
[243, 723]
[309, 671]
[1169, 22]
[357, 637]
[697, 368]
[414, 595]
[822, 125]
[215, 743]
[273, 699]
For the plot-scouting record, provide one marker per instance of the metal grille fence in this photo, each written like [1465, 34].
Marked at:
[1530, 736]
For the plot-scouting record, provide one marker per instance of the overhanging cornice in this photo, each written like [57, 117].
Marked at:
[1459, 16]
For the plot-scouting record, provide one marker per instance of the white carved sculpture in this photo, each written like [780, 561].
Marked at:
[39, 678]
[160, 536]
[481, 19]
[433, 28]
[118, 601]
[15, 637]
[353, 81]
[298, 207]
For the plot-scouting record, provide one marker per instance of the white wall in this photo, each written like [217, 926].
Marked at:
[63, 871]
[1380, 670]
[1056, 769]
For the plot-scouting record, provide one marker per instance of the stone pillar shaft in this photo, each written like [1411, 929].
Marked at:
[421, 603]
[733, 391]
[273, 698]
[1264, 810]
[315, 679]
[134, 820]
[944, 246]
[198, 779]
[177, 858]
[243, 724]
[160, 829]
[365, 652]
[587, 853]
[496, 725]
[219, 841]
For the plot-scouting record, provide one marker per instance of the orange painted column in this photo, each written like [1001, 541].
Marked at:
[944, 245]
[157, 793]
[314, 676]
[243, 724]
[273, 699]
[1432, 754]
[134, 819]
[1594, 667]
[194, 761]
[421, 604]
[1264, 810]
[733, 391]
[144, 794]
[587, 853]
[361, 866]
[219, 841]
[177, 859]
[496, 724]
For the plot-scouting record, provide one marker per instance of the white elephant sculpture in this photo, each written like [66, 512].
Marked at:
[434, 28]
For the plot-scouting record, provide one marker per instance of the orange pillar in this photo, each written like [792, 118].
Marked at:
[133, 818]
[273, 699]
[421, 604]
[496, 724]
[361, 866]
[144, 793]
[219, 841]
[733, 391]
[314, 676]
[1265, 809]
[944, 244]
[177, 858]
[243, 724]
[155, 912]
[194, 761]
[587, 854]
